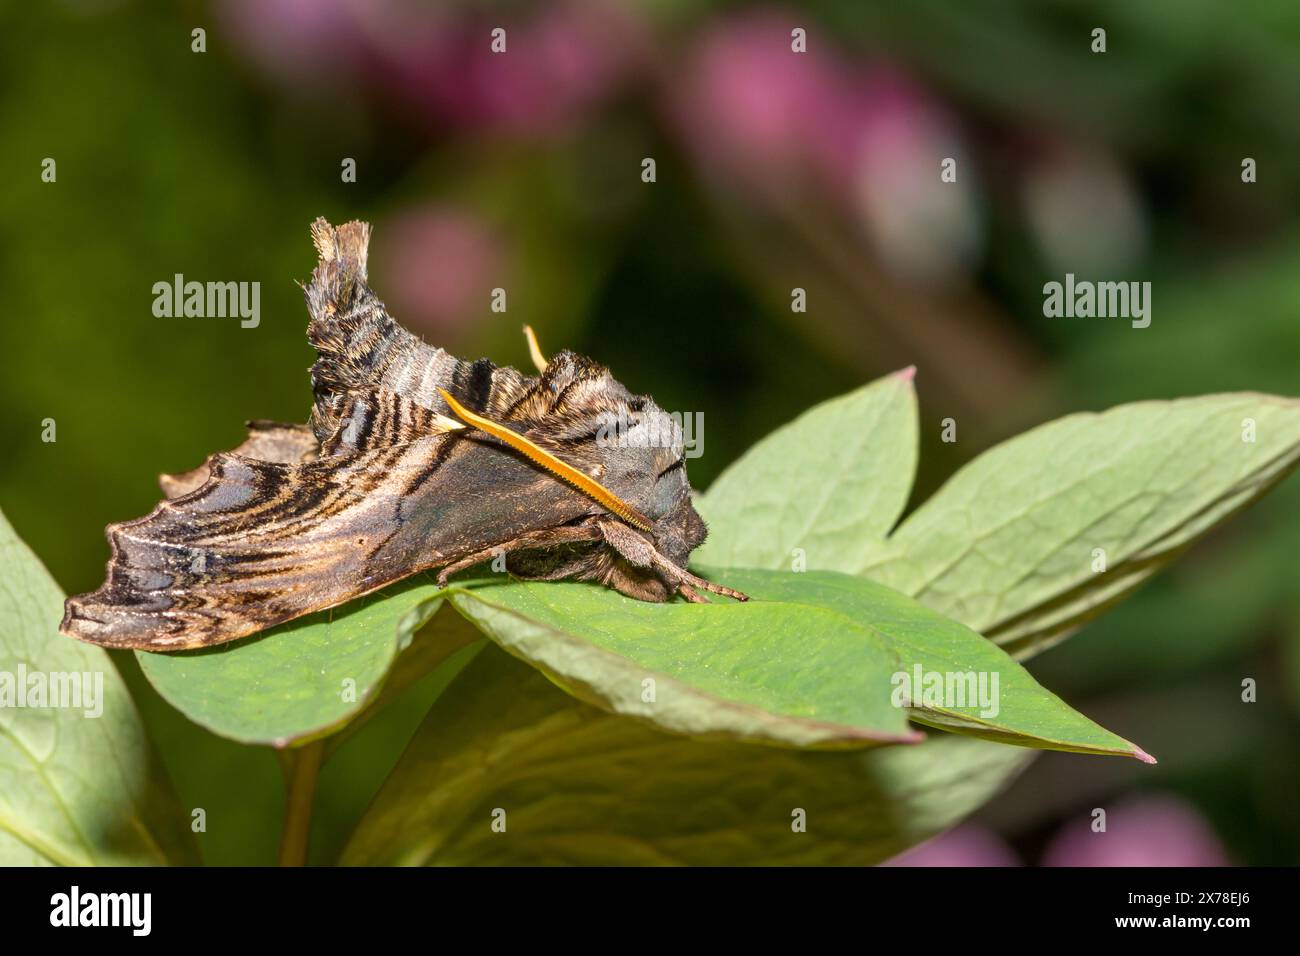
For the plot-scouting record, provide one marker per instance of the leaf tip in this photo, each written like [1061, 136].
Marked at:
[906, 374]
[1143, 755]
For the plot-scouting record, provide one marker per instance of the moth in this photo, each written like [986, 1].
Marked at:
[412, 460]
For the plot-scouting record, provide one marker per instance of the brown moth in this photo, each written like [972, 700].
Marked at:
[412, 460]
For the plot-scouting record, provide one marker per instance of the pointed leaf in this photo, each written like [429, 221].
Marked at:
[299, 681]
[79, 785]
[1015, 544]
[580, 786]
[812, 660]
[831, 483]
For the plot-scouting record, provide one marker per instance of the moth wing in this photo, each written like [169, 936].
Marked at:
[378, 418]
[262, 542]
[266, 441]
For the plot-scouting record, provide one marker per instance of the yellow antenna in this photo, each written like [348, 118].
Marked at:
[584, 483]
[535, 350]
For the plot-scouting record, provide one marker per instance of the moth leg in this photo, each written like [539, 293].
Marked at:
[699, 582]
[638, 551]
[686, 581]
[544, 538]
[691, 594]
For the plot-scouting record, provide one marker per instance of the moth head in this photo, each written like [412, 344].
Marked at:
[643, 455]
[638, 452]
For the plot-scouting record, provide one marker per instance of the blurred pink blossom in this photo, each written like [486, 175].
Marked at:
[440, 265]
[301, 43]
[750, 105]
[1084, 209]
[920, 226]
[865, 135]
[968, 845]
[1148, 831]
[561, 60]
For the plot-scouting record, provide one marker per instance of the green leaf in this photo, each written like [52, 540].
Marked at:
[434, 648]
[1010, 544]
[75, 789]
[302, 680]
[580, 786]
[811, 661]
[357, 764]
[831, 483]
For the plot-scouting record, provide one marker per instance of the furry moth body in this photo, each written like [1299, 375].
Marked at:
[413, 460]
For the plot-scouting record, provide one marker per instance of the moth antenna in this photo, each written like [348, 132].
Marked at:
[584, 483]
[535, 350]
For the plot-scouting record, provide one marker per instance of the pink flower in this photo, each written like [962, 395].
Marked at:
[302, 43]
[1148, 831]
[756, 112]
[558, 64]
[921, 226]
[967, 845]
[748, 103]
[1084, 209]
[440, 265]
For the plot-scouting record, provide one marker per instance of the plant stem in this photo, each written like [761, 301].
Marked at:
[303, 772]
